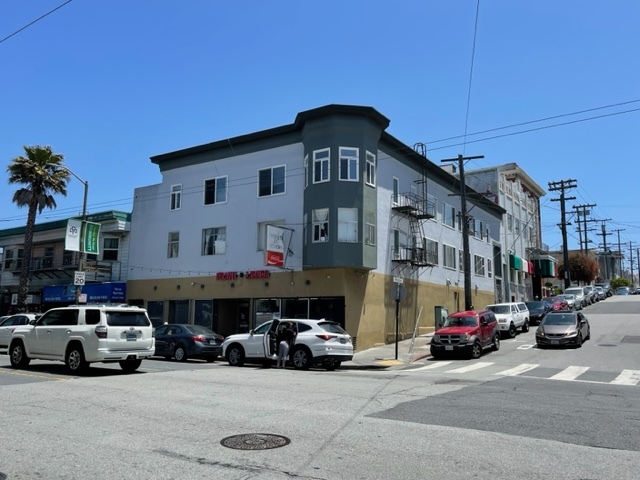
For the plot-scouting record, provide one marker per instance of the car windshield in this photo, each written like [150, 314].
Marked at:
[332, 328]
[573, 292]
[568, 296]
[199, 330]
[563, 319]
[536, 305]
[499, 308]
[461, 322]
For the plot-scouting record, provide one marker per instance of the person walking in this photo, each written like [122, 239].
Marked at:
[285, 339]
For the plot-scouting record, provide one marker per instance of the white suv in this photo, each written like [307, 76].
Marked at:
[83, 334]
[318, 342]
[511, 316]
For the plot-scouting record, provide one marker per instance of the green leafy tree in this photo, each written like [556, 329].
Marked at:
[619, 282]
[41, 176]
[582, 268]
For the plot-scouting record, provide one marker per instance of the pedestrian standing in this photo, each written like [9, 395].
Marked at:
[285, 339]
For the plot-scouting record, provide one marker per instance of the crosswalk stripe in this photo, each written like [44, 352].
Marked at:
[431, 366]
[627, 377]
[569, 373]
[525, 367]
[470, 368]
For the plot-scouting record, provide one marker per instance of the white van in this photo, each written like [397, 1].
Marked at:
[511, 316]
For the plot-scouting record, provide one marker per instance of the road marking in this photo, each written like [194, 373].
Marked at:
[525, 367]
[525, 347]
[432, 366]
[627, 377]
[33, 375]
[470, 368]
[569, 373]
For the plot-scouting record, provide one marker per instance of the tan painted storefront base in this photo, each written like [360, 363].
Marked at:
[370, 306]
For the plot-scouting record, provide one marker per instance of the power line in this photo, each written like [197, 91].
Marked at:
[36, 20]
[473, 56]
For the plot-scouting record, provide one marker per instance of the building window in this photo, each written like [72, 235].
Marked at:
[174, 243]
[320, 225]
[369, 228]
[214, 241]
[448, 215]
[517, 226]
[349, 159]
[431, 247]
[371, 169]
[306, 171]
[395, 248]
[348, 225]
[489, 268]
[449, 256]
[215, 190]
[304, 228]
[262, 233]
[509, 222]
[478, 265]
[176, 196]
[110, 247]
[395, 200]
[432, 205]
[321, 165]
[271, 181]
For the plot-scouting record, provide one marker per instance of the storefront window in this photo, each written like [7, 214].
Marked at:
[203, 314]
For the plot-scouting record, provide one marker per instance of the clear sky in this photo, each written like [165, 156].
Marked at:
[109, 84]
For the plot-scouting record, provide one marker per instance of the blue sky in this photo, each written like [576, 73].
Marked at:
[109, 84]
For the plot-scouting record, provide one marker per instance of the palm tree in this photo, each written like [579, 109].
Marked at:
[40, 173]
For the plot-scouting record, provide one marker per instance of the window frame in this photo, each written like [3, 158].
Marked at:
[206, 245]
[216, 180]
[370, 178]
[448, 256]
[370, 228]
[171, 242]
[347, 226]
[322, 166]
[451, 217]
[352, 164]
[318, 226]
[272, 183]
[479, 265]
[106, 249]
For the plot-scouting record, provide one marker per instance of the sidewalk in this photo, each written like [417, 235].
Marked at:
[384, 356]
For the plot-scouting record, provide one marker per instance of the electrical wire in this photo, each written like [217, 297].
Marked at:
[36, 20]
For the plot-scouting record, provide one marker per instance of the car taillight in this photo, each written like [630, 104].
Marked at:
[199, 338]
[101, 331]
[326, 337]
[153, 333]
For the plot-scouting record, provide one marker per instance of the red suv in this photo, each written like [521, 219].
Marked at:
[467, 332]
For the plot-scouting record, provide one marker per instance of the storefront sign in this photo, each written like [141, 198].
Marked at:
[274, 254]
[250, 275]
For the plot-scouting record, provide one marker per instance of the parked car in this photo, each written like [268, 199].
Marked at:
[563, 328]
[84, 334]
[9, 324]
[591, 293]
[511, 316]
[601, 293]
[622, 291]
[318, 342]
[633, 290]
[571, 300]
[188, 341]
[557, 303]
[469, 332]
[582, 299]
[606, 287]
[537, 310]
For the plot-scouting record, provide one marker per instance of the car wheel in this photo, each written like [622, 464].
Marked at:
[525, 327]
[579, 340]
[496, 342]
[331, 365]
[129, 366]
[301, 358]
[235, 356]
[476, 350]
[74, 359]
[512, 331]
[180, 354]
[588, 337]
[18, 356]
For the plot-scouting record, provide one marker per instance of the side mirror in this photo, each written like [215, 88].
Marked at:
[33, 321]
[251, 332]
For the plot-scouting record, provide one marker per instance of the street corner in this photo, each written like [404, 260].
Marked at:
[389, 362]
[419, 357]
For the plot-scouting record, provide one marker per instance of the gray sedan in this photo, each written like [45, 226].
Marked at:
[562, 329]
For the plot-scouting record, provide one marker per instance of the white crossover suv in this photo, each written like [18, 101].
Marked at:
[511, 316]
[84, 334]
[318, 342]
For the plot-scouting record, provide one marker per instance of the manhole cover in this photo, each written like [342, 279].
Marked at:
[254, 441]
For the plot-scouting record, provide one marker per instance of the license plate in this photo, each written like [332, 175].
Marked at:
[448, 347]
[554, 342]
[131, 337]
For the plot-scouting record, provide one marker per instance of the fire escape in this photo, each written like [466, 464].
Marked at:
[416, 208]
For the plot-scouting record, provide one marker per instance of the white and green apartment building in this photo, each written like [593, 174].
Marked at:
[321, 218]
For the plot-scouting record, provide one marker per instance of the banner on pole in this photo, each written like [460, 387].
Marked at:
[72, 237]
[91, 238]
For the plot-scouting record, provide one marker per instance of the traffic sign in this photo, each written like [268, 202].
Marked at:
[78, 278]
[398, 280]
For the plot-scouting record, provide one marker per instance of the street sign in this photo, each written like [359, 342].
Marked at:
[78, 278]
[398, 280]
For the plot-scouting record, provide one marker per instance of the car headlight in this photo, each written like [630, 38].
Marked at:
[571, 334]
[435, 339]
[502, 320]
[465, 337]
[540, 332]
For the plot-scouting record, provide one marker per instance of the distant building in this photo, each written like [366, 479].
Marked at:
[52, 265]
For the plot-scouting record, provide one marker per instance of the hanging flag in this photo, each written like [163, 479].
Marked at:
[72, 237]
[274, 254]
[91, 238]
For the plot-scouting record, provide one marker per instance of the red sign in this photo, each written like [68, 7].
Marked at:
[251, 275]
[275, 259]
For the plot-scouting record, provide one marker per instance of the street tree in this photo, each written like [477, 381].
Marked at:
[41, 176]
[582, 268]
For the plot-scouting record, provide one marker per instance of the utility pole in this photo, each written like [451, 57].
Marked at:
[638, 257]
[561, 186]
[618, 230]
[631, 262]
[585, 212]
[465, 228]
[605, 250]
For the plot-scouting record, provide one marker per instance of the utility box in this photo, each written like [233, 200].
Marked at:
[441, 313]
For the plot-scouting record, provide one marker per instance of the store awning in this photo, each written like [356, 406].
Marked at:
[545, 267]
[515, 262]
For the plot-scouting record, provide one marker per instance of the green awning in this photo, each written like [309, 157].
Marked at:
[544, 268]
[515, 262]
